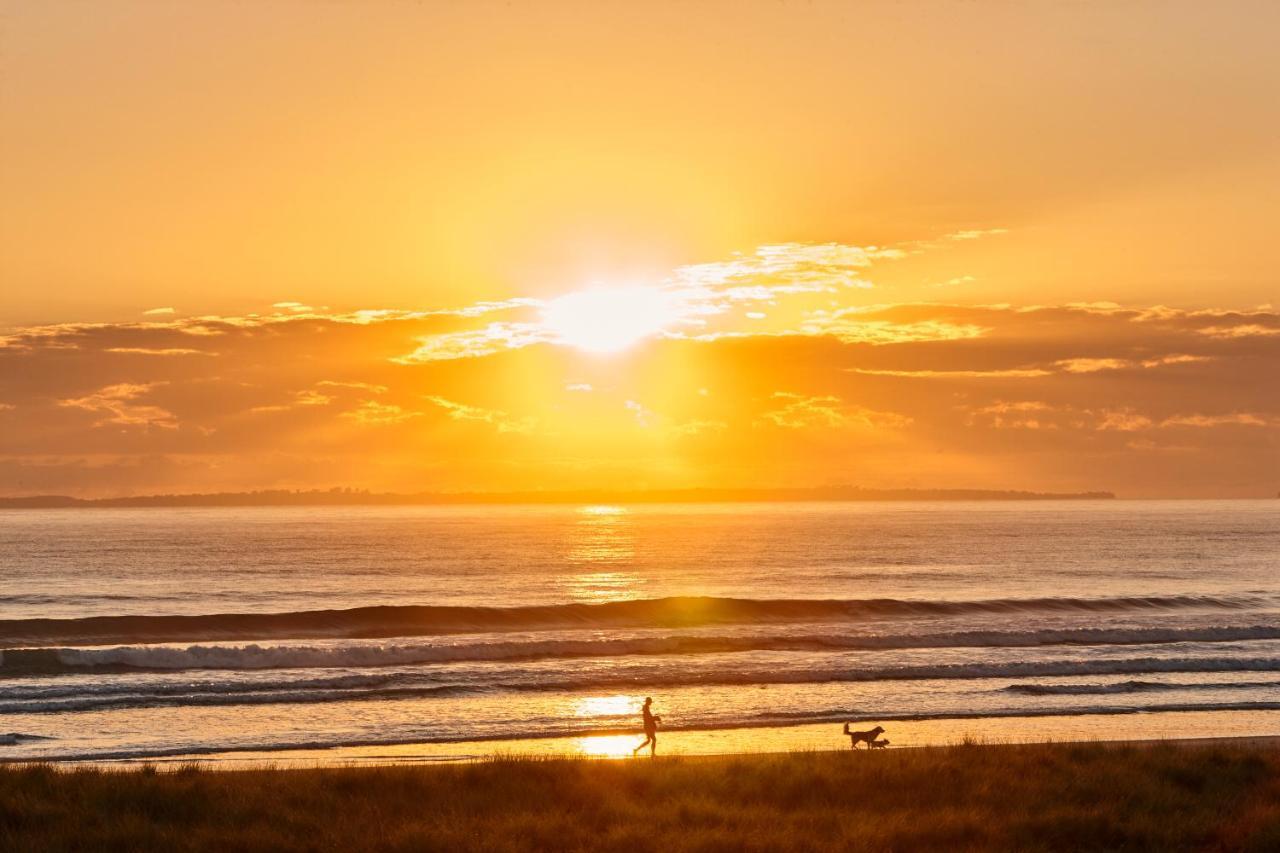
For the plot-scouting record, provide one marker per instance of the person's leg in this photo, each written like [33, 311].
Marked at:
[653, 745]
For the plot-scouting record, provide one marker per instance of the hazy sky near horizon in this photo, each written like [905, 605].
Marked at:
[935, 243]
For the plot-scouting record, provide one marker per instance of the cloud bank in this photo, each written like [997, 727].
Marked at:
[1142, 400]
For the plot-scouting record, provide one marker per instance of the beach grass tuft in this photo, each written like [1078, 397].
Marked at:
[1080, 796]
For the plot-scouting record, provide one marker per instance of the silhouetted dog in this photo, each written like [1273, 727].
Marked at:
[867, 737]
[878, 744]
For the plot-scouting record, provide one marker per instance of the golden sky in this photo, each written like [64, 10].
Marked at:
[531, 245]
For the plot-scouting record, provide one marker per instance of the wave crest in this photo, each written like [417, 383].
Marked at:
[674, 612]
[51, 661]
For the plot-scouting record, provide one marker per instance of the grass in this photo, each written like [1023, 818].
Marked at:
[967, 797]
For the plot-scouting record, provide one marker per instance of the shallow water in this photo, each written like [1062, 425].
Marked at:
[371, 626]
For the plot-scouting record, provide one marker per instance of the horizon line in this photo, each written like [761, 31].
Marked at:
[340, 496]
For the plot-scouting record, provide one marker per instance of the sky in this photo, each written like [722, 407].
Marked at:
[489, 246]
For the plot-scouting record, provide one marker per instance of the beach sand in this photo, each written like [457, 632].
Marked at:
[1258, 727]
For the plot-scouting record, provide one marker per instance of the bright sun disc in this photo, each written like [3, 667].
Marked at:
[608, 319]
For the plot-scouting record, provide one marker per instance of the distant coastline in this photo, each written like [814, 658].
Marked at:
[354, 497]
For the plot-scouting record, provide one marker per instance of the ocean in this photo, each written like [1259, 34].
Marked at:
[147, 633]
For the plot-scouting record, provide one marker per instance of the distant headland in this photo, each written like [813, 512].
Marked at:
[358, 497]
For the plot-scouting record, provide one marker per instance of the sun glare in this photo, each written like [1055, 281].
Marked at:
[608, 319]
[607, 746]
[595, 706]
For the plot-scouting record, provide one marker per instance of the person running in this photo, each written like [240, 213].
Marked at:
[650, 729]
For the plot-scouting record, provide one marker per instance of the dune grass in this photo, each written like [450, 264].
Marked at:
[968, 797]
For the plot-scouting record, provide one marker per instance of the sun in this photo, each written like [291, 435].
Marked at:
[608, 319]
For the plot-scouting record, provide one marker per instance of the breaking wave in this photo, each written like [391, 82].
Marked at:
[427, 620]
[1134, 686]
[15, 738]
[39, 698]
[51, 661]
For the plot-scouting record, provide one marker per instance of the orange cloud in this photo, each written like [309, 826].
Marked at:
[164, 351]
[500, 420]
[797, 411]
[933, 393]
[1009, 373]
[372, 413]
[118, 405]
[1232, 419]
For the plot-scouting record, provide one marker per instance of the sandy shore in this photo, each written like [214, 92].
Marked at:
[1191, 727]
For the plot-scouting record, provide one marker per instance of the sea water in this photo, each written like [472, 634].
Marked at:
[172, 632]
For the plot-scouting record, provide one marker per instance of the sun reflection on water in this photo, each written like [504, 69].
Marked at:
[602, 537]
[618, 709]
[603, 509]
[602, 534]
[595, 706]
[608, 746]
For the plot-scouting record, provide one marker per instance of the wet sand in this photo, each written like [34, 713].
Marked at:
[1190, 728]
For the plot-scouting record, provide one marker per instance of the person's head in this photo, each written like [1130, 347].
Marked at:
[648, 700]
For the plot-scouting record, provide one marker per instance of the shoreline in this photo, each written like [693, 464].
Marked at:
[1131, 727]
[232, 764]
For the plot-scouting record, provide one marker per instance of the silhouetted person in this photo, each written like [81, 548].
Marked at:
[650, 729]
